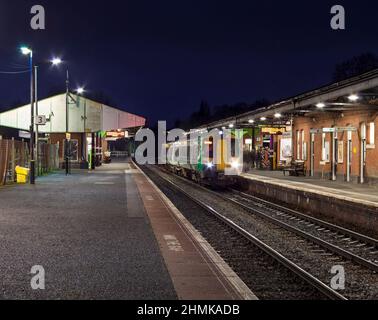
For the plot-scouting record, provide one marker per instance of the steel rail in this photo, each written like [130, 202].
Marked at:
[303, 274]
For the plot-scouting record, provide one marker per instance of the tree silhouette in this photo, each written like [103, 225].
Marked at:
[355, 66]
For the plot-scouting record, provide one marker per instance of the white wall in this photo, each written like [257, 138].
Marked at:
[98, 117]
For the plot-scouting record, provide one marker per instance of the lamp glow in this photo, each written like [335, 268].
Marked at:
[251, 121]
[278, 115]
[235, 164]
[81, 91]
[320, 105]
[353, 97]
[263, 119]
[25, 50]
[56, 61]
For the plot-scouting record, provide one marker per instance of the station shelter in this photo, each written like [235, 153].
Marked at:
[331, 131]
[84, 126]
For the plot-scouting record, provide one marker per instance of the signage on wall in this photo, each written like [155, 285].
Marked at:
[40, 120]
[272, 130]
[68, 136]
[116, 134]
[24, 134]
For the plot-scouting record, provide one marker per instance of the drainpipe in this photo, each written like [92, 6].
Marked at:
[334, 160]
[363, 153]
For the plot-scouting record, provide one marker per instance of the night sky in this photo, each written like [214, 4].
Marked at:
[161, 58]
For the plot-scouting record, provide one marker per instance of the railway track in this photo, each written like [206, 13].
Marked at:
[278, 277]
[349, 244]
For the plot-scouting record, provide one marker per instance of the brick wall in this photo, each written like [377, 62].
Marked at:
[60, 137]
[329, 120]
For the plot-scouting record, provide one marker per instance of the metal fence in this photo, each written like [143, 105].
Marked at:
[119, 154]
[12, 154]
[16, 153]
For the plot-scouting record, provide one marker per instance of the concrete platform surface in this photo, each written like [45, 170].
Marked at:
[90, 233]
[363, 194]
[106, 234]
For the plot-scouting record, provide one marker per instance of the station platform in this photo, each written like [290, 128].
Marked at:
[105, 234]
[359, 193]
[353, 205]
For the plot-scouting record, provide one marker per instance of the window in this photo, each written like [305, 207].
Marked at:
[298, 145]
[73, 150]
[372, 134]
[304, 147]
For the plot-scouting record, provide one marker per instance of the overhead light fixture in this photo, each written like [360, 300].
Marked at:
[25, 50]
[320, 105]
[56, 61]
[251, 121]
[81, 91]
[231, 126]
[278, 115]
[353, 97]
[221, 133]
[263, 119]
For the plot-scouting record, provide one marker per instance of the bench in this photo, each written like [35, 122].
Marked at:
[296, 169]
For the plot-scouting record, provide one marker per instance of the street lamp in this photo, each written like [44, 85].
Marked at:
[80, 90]
[29, 52]
[56, 62]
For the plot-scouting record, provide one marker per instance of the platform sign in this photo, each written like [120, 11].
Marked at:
[333, 130]
[40, 120]
[24, 134]
[68, 136]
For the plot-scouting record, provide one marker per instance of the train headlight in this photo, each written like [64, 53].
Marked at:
[235, 165]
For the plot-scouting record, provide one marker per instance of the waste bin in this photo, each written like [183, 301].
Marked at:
[22, 174]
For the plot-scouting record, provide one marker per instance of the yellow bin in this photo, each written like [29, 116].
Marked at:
[22, 174]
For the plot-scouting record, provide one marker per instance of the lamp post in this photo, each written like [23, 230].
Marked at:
[56, 62]
[29, 52]
[67, 120]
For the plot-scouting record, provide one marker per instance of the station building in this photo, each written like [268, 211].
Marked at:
[331, 130]
[89, 126]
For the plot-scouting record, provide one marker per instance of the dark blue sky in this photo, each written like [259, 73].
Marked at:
[160, 58]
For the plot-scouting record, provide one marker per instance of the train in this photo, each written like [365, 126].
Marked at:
[201, 167]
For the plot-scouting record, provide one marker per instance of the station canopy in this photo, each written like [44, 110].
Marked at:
[84, 116]
[358, 93]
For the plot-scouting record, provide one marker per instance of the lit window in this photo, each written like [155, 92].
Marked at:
[298, 145]
[372, 133]
[303, 146]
